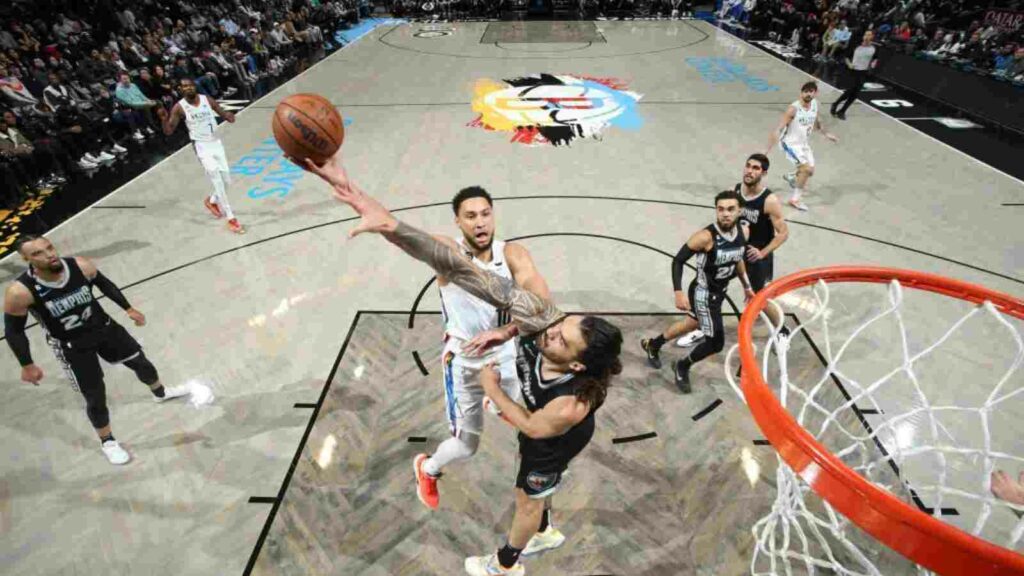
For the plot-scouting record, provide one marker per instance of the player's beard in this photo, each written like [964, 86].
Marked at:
[476, 246]
[723, 228]
[54, 268]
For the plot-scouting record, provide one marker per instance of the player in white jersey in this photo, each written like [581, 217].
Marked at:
[198, 111]
[467, 320]
[793, 135]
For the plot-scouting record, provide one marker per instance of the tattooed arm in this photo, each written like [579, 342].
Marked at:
[530, 313]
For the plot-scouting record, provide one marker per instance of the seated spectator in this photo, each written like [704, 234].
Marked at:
[903, 33]
[39, 156]
[14, 91]
[122, 118]
[129, 94]
[1015, 69]
[839, 41]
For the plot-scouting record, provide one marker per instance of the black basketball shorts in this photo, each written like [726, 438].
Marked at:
[80, 357]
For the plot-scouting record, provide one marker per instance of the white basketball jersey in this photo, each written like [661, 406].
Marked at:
[200, 120]
[798, 131]
[465, 315]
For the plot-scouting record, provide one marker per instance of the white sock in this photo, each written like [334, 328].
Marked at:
[220, 194]
[797, 193]
[451, 450]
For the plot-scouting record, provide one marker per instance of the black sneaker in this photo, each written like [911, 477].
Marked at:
[682, 377]
[841, 116]
[653, 360]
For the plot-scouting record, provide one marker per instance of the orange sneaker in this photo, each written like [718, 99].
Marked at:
[235, 227]
[426, 485]
[212, 207]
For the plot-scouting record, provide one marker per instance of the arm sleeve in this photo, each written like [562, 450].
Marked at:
[14, 330]
[110, 290]
[677, 266]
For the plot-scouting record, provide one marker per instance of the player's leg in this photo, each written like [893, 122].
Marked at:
[220, 160]
[689, 323]
[82, 367]
[790, 153]
[652, 346]
[761, 274]
[118, 346]
[804, 171]
[547, 537]
[205, 157]
[707, 306]
[463, 407]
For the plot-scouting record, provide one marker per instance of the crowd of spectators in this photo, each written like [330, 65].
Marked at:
[953, 31]
[79, 90]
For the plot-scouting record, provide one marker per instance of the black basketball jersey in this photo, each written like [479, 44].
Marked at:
[537, 393]
[761, 230]
[717, 266]
[66, 309]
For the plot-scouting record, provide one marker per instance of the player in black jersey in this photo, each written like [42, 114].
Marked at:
[719, 250]
[58, 293]
[565, 366]
[767, 230]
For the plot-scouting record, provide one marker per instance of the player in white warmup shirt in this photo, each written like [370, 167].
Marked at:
[198, 111]
[467, 321]
[793, 135]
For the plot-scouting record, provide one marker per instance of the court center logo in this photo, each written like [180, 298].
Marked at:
[554, 109]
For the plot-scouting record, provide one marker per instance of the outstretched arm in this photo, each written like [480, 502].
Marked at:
[530, 313]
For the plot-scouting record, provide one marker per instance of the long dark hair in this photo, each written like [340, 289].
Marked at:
[601, 358]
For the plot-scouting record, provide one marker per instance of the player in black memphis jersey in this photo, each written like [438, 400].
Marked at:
[767, 230]
[565, 364]
[719, 250]
[58, 293]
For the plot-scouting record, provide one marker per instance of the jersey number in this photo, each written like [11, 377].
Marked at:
[725, 272]
[72, 321]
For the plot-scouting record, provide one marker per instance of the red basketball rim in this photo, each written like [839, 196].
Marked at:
[918, 536]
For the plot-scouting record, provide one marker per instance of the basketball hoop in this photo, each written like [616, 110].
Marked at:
[813, 535]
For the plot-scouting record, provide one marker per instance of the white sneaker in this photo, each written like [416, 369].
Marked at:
[138, 136]
[171, 392]
[149, 131]
[114, 453]
[106, 157]
[798, 204]
[91, 158]
[489, 566]
[117, 148]
[87, 165]
[547, 540]
[689, 339]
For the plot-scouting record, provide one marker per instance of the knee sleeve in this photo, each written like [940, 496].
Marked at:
[143, 368]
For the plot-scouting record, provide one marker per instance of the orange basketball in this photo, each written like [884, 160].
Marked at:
[308, 126]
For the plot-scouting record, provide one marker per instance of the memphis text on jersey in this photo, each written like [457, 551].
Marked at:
[61, 305]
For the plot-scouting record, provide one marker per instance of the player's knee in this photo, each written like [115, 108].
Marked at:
[469, 443]
[144, 369]
[807, 169]
[717, 343]
[98, 414]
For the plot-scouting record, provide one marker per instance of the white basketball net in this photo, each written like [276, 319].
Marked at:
[803, 532]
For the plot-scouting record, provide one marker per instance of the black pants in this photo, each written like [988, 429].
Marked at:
[851, 93]
[706, 306]
[80, 360]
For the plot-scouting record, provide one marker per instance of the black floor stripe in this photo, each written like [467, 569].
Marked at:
[869, 411]
[762, 442]
[304, 405]
[118, 207]
[419, 362]
[708, 410]
[298, 451]
[262, 500]
[637, 438]
[417, 439]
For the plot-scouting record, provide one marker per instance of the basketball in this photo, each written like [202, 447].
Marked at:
[308, 126]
